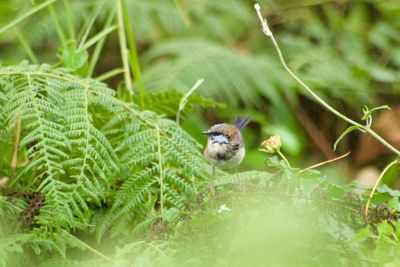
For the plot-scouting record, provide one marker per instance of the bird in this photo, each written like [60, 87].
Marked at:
[225, 147]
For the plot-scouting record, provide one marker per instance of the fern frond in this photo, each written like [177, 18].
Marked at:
[221, 67]
[161, 162]
[42, 117]
[74, 161]
[86, 148]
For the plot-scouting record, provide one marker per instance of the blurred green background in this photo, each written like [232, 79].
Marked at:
[347, 51]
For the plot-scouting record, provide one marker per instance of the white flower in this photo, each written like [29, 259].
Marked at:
[223, 208]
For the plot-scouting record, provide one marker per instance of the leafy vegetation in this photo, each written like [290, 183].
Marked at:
[87, 150]
[96, 170]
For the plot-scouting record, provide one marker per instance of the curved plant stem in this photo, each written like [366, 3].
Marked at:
[123, 47]
[396, 161]
[184, 99]
[359, 126]
[325, 162]
[159, 153]
[91, 249]
[284, 158]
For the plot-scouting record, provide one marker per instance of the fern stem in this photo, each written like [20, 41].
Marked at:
[47, 75]
[123, 48]
[159, 155]
[16, 145]
[133, 56]
[160, 167]
[91, 249]
[268, 33]
[26, 15]
[42, 134]
[87, 143]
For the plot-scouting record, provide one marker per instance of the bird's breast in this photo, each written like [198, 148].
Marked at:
[224, 156]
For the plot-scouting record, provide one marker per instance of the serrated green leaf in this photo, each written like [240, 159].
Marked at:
[72, 57]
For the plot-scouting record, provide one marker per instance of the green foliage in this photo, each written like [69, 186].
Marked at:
[88, 150]
[286, 217]
[61, 141]
[105, 167]
[161, 163]
[367, 117]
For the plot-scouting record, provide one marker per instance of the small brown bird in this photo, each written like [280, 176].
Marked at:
[225, 147]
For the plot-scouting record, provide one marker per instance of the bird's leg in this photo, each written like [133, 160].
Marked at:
[212, 187]
[237, 174]
[238, 177]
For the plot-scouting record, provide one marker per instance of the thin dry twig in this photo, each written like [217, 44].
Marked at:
[17, 125]
[325, 162]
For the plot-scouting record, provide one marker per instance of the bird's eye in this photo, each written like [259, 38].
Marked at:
[215, 133]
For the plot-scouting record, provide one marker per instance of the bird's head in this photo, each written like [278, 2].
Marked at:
[223, 133]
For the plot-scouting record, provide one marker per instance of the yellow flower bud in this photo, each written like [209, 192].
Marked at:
[272, 145]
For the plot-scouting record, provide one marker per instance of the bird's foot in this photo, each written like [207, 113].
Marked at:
[213, 190]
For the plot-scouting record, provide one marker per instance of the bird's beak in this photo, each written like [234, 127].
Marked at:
[206, 132]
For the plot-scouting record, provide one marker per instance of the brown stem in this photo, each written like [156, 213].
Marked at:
[17, 136]
[315, 134]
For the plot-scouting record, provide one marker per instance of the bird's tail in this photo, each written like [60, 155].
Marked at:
[241, 122]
